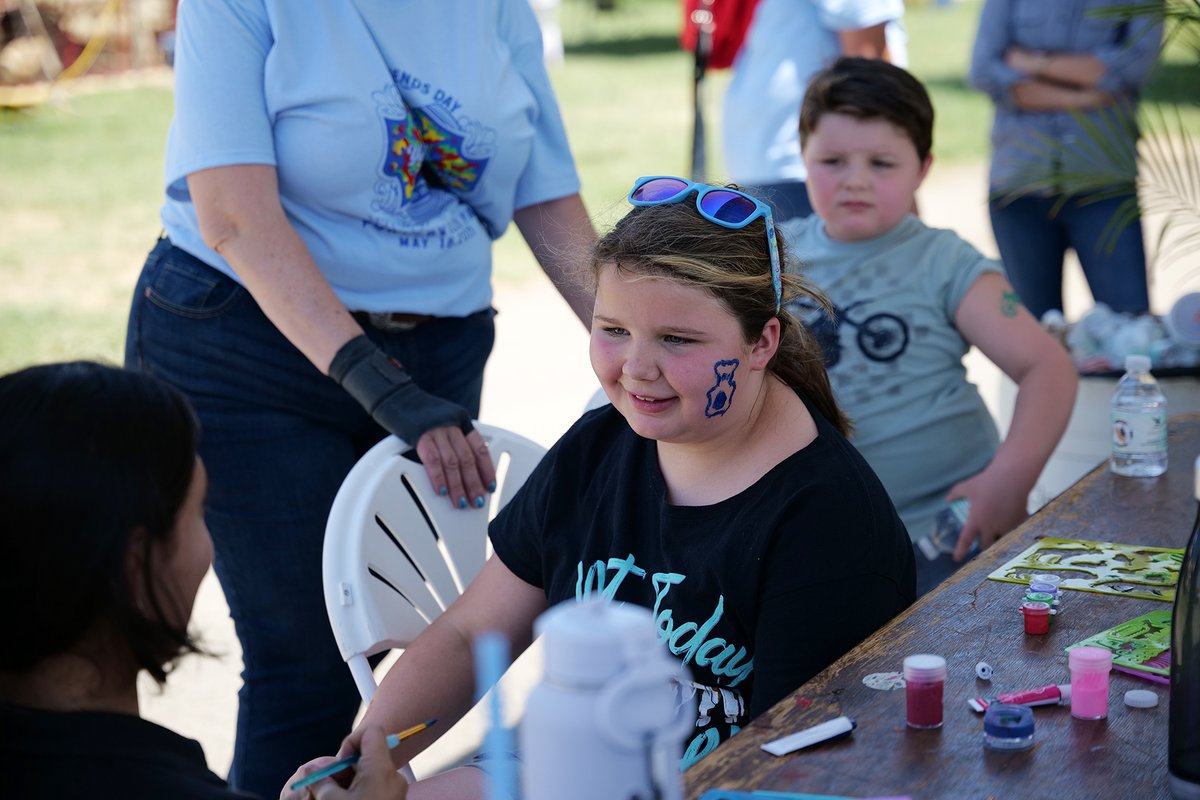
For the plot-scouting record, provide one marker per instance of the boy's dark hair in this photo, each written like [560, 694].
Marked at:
[89, 454]
[870, 89]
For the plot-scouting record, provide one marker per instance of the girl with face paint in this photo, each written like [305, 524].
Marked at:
[718, 489]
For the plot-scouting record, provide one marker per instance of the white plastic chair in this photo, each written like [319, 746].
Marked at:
[596, 400]
[396, 553]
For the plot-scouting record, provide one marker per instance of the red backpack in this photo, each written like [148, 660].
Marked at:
[730, 19]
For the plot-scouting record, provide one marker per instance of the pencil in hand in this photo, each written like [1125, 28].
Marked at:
[349, 761]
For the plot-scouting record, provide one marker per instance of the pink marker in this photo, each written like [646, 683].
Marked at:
[1054, 694]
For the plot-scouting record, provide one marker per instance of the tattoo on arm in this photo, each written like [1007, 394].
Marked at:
[1009, 304]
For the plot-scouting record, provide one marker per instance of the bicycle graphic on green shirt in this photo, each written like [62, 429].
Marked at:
[881, 337]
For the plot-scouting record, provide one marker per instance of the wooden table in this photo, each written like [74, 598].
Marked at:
[970, 619]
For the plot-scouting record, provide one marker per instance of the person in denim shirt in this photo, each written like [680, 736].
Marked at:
[1054, 70]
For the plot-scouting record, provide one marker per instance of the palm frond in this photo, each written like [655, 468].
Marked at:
[1164, 171]
[1169, 183]
[1180, 18]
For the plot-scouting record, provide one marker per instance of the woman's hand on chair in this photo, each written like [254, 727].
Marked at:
[459, 466]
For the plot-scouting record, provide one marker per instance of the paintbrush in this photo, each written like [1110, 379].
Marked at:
[341, 764]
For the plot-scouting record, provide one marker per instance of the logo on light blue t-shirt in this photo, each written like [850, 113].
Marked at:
[404, 156]
[427, 148]
[445, 161]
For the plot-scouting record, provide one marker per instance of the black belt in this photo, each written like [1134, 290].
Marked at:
[391, 322]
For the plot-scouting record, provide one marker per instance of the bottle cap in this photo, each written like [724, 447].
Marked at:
[960, 508]
[924, 667]
[1141, 698]
[1005, 721]
[1090, 659]
[590, 642]
[1045, 577]
[1137, 363]
[1040, 597]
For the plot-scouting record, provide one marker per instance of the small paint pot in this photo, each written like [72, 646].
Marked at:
[1037, 587]
[1037, 617]
[1008, 727]
[1090, 667]
[1055, 580]
[924, 679]
[1043, 597]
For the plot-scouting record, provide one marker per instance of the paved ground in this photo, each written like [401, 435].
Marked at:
[537, 383]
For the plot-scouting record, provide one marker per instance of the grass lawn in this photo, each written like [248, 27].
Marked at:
[79, 197]
[79, 177]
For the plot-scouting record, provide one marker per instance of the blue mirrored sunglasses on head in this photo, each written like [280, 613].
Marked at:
[728, 208]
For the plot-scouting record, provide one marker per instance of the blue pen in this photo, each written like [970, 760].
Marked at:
[349, 761]
[491, 660]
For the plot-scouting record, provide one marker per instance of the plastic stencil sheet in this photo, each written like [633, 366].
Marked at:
[1103, 567]
[1139, 644]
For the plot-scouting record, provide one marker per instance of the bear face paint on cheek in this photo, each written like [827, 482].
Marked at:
[720, 396]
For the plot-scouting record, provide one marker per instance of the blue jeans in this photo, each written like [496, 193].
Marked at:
[1033, 242]
[787, 199]
[931, 573]
[278, 437]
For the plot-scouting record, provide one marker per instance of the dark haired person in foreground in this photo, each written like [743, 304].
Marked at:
[104, 549]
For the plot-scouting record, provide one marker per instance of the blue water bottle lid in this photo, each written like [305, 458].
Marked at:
[1006, 721]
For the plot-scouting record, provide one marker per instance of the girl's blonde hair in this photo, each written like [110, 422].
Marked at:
[675, 243]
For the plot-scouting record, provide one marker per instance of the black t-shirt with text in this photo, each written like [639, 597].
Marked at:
[755, 594]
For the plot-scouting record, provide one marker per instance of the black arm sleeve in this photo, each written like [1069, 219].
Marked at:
[380, 384]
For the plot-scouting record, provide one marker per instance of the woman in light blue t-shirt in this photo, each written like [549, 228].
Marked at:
[335, 177]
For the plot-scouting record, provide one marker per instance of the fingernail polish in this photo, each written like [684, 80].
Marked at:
[479, 502]
[492, 486]
[462, 502]
[443, 491]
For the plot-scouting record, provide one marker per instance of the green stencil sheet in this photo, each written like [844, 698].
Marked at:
[1103, 567]
[1138, 643]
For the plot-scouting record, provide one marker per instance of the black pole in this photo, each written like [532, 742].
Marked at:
[702, 18]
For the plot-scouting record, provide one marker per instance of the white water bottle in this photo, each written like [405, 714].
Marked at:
[606, 722]
[1139, 422]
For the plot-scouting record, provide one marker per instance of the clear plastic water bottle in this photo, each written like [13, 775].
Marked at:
[1139, 422]
[947, 526]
